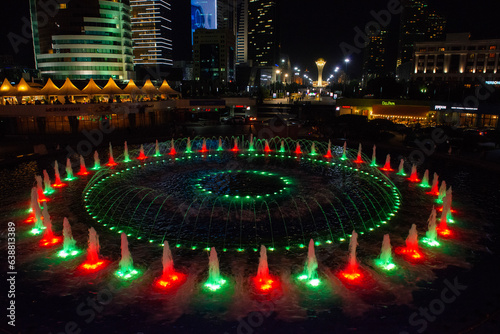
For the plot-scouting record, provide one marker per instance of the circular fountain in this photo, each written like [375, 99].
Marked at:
[227, 193]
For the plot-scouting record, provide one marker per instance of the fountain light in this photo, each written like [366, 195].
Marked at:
[92, 267]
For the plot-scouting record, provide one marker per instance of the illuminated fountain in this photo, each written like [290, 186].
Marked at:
[69, 244]
[435, 185]
[414, 175]
[352, 272]
[442, 228]
[297, 149]
[58, 183]
[401, 168]
[97, 162]
[47, 188]
[215, 281]
[172, 148]
[442, 192]
[384, 260]
[387, 165]
[310, 273]
[93, 262]
[235, 147]
[267, 149]
[268, 201]
[69, 171]
[49, 239]
[251, 146]
[264, 282]
[142, 156]
[328, 154]
[36, 214]
[344, 152]
[313, 149]
[83, 169]
[111, 161]
[374, 157]
[431, 234]
[125, 153]
[39, 189]
[449, 216]
[126, 268]
[188, 146]
[157, 149]
[219, 146]
[425, 180]
[282, 147]
[359, 158]
[204, 146]
[169, 278]
[411, 252]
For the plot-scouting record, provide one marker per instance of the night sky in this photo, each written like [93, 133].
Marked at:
[307, 31]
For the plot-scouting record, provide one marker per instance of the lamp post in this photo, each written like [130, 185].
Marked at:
[346, 61]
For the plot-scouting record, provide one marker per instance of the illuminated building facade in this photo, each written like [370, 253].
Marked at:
[457, 59]
[418, 24]
[151, 34]
[374, 58]
[263, 43]
[83, 39]
[213, 55]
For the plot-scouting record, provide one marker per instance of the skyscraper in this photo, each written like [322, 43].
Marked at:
[374, 60]
[418, 24]
[83, 39]
[152, 35]
[242, 32]
[213, 55]
[263, 42]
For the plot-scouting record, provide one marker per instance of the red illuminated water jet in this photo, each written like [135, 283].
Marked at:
[414, 176]
[297, 149]
[49, 239]
[93, 263]
[142, 156]
[359, 159]
[411, 252]
[267, 149]
[169, 278]
[83, 169]
[235, 147]
[111, 162]
[387, 165]
[204, 147]
[264, 282]
[352, 274]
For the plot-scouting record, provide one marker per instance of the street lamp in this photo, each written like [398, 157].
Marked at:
[346, 61]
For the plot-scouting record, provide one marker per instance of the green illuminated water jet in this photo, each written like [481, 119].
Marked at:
[97, 162]
[251, 145]
[431, 234]
[46, 184]
[344, 154]
[401, 168]
[125, 153]
[126, 266]
[310, 273]
[384, 260]
[69, 244]
[374, 157]
[69, 171]
[425, 180]
[215, 281]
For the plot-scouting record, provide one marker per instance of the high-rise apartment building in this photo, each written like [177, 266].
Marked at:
[418, 24]
[83, 39]
[375, 53]
[242, 32]
[151, 34]
[213, 55]
[263, 39]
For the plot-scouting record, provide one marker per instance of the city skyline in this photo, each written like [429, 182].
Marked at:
[307, 33]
